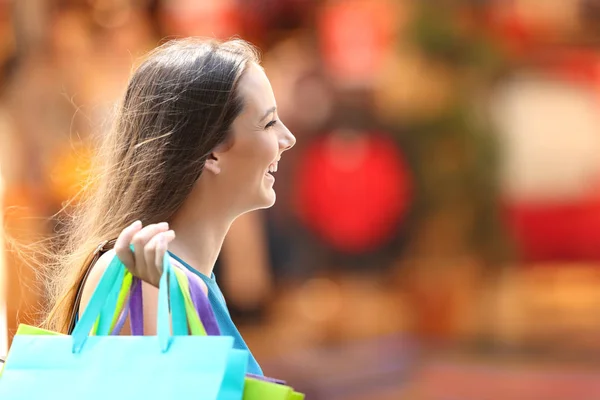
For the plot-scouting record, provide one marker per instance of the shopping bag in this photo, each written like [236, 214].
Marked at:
[25, 329]
[259, 389]
[170, 365]
[201, 320]
[135, 298]
[255, 387]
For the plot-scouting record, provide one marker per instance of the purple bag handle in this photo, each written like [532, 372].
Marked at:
[200, 300]
[202, 304]
[121, 321]
[136, 308]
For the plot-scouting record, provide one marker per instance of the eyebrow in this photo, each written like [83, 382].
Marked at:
[269, 111]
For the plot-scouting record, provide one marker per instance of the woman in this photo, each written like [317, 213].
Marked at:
[193, 147]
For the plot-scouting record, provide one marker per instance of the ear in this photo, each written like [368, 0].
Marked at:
[214, 160]
[212, 164]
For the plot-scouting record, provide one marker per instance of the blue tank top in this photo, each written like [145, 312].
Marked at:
[226, 325]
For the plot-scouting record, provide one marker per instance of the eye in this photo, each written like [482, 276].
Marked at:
[270, 124]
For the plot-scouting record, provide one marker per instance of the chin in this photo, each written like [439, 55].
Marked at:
[264, 200]
[268, 199]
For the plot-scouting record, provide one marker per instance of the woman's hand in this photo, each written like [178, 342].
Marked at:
[150, 244]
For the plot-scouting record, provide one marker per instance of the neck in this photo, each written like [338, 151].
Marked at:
[200, 227]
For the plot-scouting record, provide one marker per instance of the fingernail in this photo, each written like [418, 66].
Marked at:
[136, 224]
[170, 234]
[163, 225]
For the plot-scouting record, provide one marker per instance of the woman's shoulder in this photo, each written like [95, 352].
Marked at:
[97, 270]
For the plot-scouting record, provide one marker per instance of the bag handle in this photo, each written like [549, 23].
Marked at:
[102, 248]
[202, 304]
[193, 319]
[107, 292]
[199, 298]
[194, 299]
[136, 309]
[180, 316]
[114, 308]
[108, 284]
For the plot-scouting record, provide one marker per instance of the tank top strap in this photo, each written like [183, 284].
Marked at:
[211, 282]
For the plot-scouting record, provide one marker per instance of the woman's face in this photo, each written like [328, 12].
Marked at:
[258, 140]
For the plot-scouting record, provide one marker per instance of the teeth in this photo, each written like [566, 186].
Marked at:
[273, 167]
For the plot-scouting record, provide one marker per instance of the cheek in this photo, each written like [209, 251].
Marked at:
[254, 152]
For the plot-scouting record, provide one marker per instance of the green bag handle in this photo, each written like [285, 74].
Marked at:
[194, 322]
[101, 327]
[123, 296]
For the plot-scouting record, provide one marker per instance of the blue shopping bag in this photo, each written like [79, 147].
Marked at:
[170, 365]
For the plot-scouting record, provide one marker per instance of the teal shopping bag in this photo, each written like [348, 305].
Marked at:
[171, 365]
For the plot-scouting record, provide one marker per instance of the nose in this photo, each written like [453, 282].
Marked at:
[286, 140]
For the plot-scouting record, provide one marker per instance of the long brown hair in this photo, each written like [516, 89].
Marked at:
[178, 106]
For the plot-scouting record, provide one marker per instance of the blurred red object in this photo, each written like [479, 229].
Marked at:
[211, 18]
[510, 29]
[353, 190]
[577, 66]
[355, 37]
[555, 213]
[547, 232]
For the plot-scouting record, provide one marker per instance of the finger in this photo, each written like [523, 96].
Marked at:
[150, 274]
[140, 240]
[150, 250]
[169, 236]
[154, 252]
[155, 245]
[161, 250]
[160, 244]
[121, 247]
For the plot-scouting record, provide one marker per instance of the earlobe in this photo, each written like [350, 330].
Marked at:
[212, 165]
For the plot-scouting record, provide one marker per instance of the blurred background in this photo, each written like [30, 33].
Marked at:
[437, 229]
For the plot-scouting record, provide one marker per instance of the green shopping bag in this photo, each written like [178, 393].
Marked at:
[25, 329]
[256, 389]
